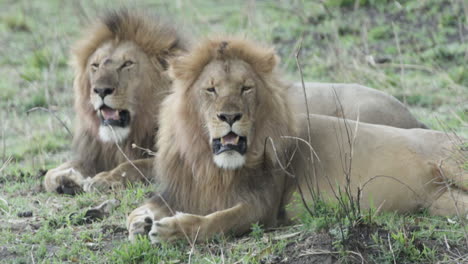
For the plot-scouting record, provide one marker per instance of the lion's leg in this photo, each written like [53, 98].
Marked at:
[452, 202]
[236, 219]
[64, 179]
[127, 172]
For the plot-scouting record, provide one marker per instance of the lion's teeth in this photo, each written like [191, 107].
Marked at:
[236, 140]
[222, 141]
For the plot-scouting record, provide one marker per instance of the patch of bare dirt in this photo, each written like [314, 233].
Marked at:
[309, 249]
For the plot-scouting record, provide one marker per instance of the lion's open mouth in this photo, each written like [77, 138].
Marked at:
[114, 117]
[230, 142]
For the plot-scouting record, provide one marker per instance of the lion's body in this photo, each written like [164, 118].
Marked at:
[354, 101]
[119, 81]
[401, 170]
[227, 98]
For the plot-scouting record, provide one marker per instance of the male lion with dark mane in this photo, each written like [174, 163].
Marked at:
[227, 133]
[119, 81]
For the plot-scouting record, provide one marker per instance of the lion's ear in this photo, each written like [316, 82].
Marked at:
[175, 70]
[173, 52]
[267, 63]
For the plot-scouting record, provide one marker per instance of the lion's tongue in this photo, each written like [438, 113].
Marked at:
[109, 113]
[230, 138]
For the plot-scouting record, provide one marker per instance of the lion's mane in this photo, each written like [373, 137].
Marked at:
[159, 41]
[193, 183]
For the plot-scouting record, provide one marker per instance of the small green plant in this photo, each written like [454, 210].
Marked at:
[256, 231]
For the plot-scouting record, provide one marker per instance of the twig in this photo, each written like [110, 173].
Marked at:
[291, 175]
[3, 145]
[148, 151]
[53, 114]
[32, 256]
[309, 185]
[402, 68]
[303, 87]
[6, 203]
[446, 242]
[6, 163]
[192, 248]
[462, 218]
[327, 252]
[391, 248]
[390, 177]
[126, 157]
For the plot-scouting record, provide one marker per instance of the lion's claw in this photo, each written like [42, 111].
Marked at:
[140, 223]
[165, 229]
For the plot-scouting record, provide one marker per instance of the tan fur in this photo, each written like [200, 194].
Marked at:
[209, 198]
[114, 38]
[402, 170]
[354, 101]
[399, 169]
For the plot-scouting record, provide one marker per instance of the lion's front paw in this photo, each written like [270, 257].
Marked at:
[139, 223]
[103, 181]
[180, 226]
[64, 180]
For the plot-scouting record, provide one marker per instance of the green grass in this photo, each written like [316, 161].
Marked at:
[423, 44]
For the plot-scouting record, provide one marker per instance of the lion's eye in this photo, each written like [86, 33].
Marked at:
[246, 88]
[94, 66]
[127, 64]
[211, 90]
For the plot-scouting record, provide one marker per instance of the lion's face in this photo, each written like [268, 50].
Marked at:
[116, 74]
[227, 93]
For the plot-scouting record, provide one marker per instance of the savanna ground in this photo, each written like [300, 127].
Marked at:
[415, 50]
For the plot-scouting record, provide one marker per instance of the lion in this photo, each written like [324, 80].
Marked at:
[120, 78]
[229, 143]
[355, 102]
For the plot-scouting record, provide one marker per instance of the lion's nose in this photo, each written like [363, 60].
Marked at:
[103, 92]
[230, 118]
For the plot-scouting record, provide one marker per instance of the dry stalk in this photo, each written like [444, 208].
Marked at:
[455, 201]
[327, 252]
[53, 114]
[5, 164]
[126, 157]
[303, 87]
[284, 169]
[391, 248]
[402, 68]
[192, 248]
[390, 177]
[160, 196]
[146, 150]
[315, 193]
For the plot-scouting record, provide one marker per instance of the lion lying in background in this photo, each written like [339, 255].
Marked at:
[119, 82]
[354, 101]
[228, 131]
[401, 170]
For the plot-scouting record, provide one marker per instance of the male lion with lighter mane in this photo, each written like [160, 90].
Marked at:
[119, 81]
[228, 134]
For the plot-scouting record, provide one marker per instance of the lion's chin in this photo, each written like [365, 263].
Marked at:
[113, 133]
[229, 160]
